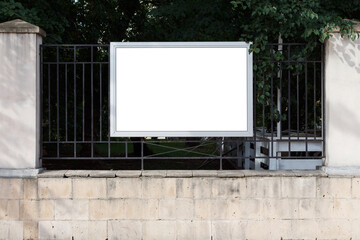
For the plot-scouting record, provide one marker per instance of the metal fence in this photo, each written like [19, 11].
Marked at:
[288, 116]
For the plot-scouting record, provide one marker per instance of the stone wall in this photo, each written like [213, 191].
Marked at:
[157, 205]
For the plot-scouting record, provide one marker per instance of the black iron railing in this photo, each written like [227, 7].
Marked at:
[288, 116]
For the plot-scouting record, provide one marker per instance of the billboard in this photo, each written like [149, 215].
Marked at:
[180, 89]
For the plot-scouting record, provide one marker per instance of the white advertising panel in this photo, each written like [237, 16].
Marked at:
[183, 89]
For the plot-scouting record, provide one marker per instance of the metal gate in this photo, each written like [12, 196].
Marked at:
[288, 116]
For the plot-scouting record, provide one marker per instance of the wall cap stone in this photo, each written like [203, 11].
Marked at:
[21, 27]
[179, 173]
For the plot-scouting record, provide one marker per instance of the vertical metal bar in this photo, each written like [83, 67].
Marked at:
[263, 106]
[279, 103]
[100, 102]
[66, 101]
[142, 154]
[289, 102]
[57, 104]
[306, 108]
[315, 101]
[221, 153]
[83, 102]
[272, 104]
[92, 102]
[255, 104]
[323, 105]
[49, 101]
[297, 105]
[108, 111]
[41, 103]
[75, 105]
[126, 148]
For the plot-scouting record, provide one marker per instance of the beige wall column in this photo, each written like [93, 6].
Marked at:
[19, 98]
[342, 89]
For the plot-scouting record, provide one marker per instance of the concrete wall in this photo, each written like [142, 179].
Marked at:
[163, 205]
[342, 81]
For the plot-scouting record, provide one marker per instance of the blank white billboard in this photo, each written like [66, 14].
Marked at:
[180, 89]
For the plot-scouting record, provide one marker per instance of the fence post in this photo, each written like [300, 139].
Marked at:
[342, 105]
[19, 98]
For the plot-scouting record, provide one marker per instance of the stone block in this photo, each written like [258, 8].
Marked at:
[228, 230]
[9, 209]
[202, 187]
[37, 209]
[334, 229]
[316, 208]
[12, 230]
[346, 209]
[268, 229]
[89, 188]
[199, 230]
[251, 209]
[263, 187]
[71, 209]
[98, 230]
[179, 174]
[55, 230]
[124, 187]
[103, 174]
[280, 209]
[54, 188]
[77, 173]
[355, 188]
[334, 187]
[30, 188]
[11, 188]
[159, 187]
[128, 174]
[229, 188]
[202, 209]
[133, 209]
[176, 209]
[151, 209]
[106, 209]
[184, 188]
[298, 187]
[154, 173]
[52, 174]
[159, 230]
[30, 230]
[119, 230]
[205, 173]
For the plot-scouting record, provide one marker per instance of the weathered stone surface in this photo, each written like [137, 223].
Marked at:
[37, 210]
[199, 230]
[292, 187]
[20, 26]
[125, 230]
[9, 209]
[229, 188]
[159, 188]
[89, 188]
[184, 188]
[102, 174]
[179, 173]
[30, 230]
[263, 187]
[355, 188]
[52, 174]
[54, 188]
[333, 187]
[106, 209]
[316, 208]
[11, 188]
[205, 173]
[77, 173]
[159, 230]
[30, 188]
[154, 173]
[71, 209]
[124, 187]
[128, 174]
[11, 230]
[226, 230]
[202, 187]
[55, 230]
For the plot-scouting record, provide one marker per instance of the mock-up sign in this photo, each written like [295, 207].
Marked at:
[180, 89]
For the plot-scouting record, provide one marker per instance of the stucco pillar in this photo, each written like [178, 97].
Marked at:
[19, 98]
[342, 101]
